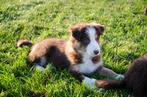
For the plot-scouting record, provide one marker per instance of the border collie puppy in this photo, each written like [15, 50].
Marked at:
[80, 54]
[135, 79]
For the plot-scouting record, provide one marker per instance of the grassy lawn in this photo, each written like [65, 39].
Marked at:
[125, 39]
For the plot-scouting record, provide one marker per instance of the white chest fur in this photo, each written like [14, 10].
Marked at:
[87, 66]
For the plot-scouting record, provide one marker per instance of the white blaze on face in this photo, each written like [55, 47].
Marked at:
[93, 45]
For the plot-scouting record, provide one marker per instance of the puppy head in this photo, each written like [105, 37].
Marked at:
[86, 38]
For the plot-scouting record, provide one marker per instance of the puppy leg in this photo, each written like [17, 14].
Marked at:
[86, 81]
[39, 65]
[109, 73]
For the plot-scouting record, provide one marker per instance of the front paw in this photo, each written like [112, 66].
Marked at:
[92, 84]
[89, 83]
[119, 77]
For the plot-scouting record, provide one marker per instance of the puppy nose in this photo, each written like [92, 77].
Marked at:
[96, 52]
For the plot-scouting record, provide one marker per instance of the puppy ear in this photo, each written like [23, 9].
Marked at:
[76, 33]
[99, 28]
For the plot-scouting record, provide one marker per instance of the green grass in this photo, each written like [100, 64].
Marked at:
[125, 39]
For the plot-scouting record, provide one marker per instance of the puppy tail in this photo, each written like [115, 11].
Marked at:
[24, 42]
[110, 84]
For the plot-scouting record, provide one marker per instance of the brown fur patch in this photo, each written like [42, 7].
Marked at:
[73, 56]
[53, 50]
[77, 58]
[96, 59]
[107, 84]
[135, 79]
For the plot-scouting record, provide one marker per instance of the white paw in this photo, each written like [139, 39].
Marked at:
[89, 83]
[119, 77]
[40, 68]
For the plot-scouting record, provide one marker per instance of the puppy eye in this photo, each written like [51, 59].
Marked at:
[86, 42]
